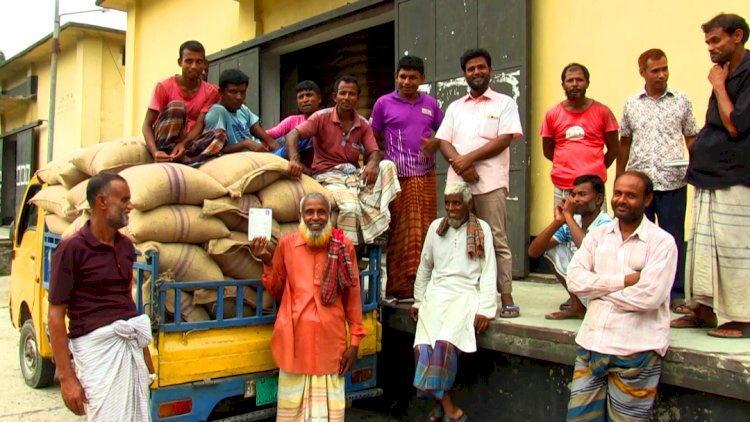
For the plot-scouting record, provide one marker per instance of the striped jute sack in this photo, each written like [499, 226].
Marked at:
[234, 257]
[246, 172]
[190, 311]
[55, 224]
[187, 262]
[153, 185]
[113, 156]
[232, 211]
[52, 199]
[71, 176]
[283, 196]
[174, 224]
[249, 297]
[49, 173]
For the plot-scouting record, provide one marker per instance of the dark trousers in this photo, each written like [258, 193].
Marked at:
[669, 208]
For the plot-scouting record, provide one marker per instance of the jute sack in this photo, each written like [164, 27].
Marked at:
[283, 196]
[249, 297]
[187, 262]
[230, 309]
[71, 176]
[287, 228]
[174, 224]
[52, 200]
[76, 225]
[234, 257]
[232, 211]
[113, 156]
[153, 185]
[246, 172]
[76, 196]
[49, 172]
[190, 311]
[55, 224]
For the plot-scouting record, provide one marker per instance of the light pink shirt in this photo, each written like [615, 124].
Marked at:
[624, 320]
[470, 123]
[285, 126]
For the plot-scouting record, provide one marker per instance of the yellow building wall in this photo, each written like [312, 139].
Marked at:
[276, 14]
[111, 91]
[607, 36]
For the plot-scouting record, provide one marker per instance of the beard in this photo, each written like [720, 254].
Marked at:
[482, 86]
[571, 93]
[316, 239]
[456, 222]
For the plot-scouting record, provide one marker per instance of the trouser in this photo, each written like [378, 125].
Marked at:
[490, 207]
[669, 207]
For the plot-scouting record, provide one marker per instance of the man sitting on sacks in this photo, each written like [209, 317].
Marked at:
[91, 282]
[340, 136]
[314, 274]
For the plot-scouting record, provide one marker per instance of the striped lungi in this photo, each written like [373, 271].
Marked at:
[411, 215]
[436, 369]
[717, 267]
[310, 398]
[362, 208]
[619, 388]
[169, 127]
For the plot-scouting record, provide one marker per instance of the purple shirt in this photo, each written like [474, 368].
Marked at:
[403, 125]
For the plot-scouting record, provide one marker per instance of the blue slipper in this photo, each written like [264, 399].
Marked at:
[514, 311]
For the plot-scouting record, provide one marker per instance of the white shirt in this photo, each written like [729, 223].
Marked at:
[451, 288]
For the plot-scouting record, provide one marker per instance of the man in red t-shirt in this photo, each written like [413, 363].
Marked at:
[173, 127]
[575, 133]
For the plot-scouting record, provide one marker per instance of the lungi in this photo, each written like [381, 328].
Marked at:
[169, 127]
[619, 388]
[112, 370]
[362, 207]
[411, 215]
[435, 369]
[310, 398]
[717, 267]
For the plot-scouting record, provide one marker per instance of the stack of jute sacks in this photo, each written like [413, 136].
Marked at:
[197, 219]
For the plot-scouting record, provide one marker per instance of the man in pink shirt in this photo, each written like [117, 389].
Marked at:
[626, 270]
[575, 133]
[173, 127]
[308, 102]
[474, 137]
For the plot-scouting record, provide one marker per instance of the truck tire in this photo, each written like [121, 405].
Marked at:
[37, 371]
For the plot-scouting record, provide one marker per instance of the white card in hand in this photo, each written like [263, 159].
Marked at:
[259, 223]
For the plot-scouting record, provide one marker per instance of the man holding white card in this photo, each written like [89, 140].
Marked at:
[475, 135]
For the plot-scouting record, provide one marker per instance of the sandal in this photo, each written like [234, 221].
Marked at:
[436, 414]
[462, 418]
[509, 311]
[565, 314]
[742, 329]
[691, 321]
[567, 304]
[681, 308]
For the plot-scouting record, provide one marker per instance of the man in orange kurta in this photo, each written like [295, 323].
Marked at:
[314, 273]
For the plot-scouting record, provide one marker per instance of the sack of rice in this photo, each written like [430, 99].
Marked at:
[234, 257]
[49, 172]
[76, 196]
[52, 200]
[190, 312]
[283, 196]
[113, 155]
[55, 224]
[187, 262]
[76, 225]
[287, 228]
[71, 176]
[153, 185]
[245, 172]
[232, 211]
[230, 309]
[249, 297]
[174, 224]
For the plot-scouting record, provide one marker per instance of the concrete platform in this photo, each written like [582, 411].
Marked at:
[694, 361]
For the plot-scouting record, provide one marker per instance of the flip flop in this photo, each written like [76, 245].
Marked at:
[462, 418]
[744, 330]
[436, 414]
[566, 314]
[567, 304]
[514, 310]
[691, 321]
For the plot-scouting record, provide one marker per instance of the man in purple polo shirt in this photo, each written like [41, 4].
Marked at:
[403, 120]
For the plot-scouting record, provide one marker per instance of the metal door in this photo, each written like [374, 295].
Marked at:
[439, 31]
[25, 162]
[247, 61]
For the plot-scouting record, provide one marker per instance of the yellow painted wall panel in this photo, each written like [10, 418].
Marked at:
[112, 91]
[276, 14]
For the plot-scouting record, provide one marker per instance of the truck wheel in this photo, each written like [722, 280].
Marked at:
[37, 371]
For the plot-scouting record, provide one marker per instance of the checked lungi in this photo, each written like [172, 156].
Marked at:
[411, 215]
[170, 126]
[618, 388]
[436, 369]
[310, 398]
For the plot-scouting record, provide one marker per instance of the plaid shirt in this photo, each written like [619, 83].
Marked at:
[657, 127]
[624, 320]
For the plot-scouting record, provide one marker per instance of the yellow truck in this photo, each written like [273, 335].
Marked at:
[207, 370]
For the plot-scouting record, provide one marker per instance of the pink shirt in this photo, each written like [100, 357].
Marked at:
[470, 123]
[579, 141]
[168, 90]
[285, 126]
[332, 145]
[624, 320]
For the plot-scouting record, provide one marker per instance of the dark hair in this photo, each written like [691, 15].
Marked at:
[573, 66]
[350, 79]
[652, 54]
[473, 53]
[411, 63]
[232, 76]
[647, 183]
[100, 184]
[729, 22]
[193, 46]
[308, 86]
[595, 181]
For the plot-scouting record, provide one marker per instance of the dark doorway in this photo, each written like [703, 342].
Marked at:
[8, 187]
